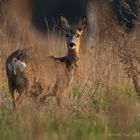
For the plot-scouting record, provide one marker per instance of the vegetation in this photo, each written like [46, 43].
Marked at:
[103, 101]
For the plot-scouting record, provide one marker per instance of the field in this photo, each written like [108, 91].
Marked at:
[102, 103]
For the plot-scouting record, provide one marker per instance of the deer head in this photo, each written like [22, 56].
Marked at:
[73, 34]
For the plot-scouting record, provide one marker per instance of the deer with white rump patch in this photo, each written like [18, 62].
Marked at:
[50, 77]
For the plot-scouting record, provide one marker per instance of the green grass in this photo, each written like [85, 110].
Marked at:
[35, 126]
[116, 118]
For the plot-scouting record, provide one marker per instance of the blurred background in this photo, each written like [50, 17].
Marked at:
[45, 13]
[104, 95]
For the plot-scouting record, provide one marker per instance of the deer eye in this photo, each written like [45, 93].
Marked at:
[67, 35]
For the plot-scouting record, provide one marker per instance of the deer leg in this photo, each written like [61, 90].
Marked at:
[12, 91]
[60, 101]
[21, 98]
[13, 98]
[42, 98]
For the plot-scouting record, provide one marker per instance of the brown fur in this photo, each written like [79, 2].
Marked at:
[47, 76]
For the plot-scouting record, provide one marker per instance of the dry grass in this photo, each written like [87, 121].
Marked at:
[101, 103]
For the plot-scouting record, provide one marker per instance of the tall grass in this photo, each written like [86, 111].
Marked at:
[101, 103]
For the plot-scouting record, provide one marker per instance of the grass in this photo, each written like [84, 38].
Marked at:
[46, 127]
[101, 104]
[112, 116]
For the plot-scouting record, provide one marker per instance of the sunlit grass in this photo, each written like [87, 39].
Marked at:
[101, 103]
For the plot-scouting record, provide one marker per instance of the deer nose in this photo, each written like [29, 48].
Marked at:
[71, 44]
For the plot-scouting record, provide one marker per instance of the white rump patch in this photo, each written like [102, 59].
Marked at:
[18, 64]
[21, 65]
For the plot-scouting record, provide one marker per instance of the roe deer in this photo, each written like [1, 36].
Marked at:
[52, 75]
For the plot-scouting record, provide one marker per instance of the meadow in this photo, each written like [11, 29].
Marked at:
[102, 103]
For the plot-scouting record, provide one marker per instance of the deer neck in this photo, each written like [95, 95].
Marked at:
[72, 59]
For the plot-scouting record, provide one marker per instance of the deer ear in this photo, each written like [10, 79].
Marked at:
[63, 23]
[82, 23]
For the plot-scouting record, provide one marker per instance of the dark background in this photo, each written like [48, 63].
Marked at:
[52, 9]
[126, 17]
[73, 9]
